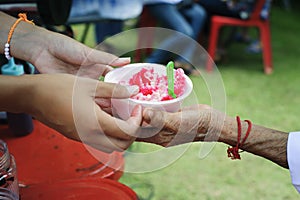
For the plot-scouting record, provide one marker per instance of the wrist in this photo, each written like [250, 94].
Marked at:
[229, 132]
[15, 93]
[213, 126]
[21, 36]
[28, 41]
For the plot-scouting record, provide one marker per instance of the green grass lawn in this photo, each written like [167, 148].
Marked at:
[271, 101]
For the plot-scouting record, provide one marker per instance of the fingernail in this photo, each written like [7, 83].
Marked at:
[124, 60]
[133, 89]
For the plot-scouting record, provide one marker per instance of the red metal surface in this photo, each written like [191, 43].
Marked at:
[46, 156]
[79, 189]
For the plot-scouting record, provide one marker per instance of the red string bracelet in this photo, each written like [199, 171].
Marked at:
[233, 152]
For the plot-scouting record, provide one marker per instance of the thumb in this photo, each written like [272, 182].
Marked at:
[136, 117]
[160, 122]
[155, 118]
[113, 90]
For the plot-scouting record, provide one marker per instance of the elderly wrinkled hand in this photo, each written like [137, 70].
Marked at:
[168, 129]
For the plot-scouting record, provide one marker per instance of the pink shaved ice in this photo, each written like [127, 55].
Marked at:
[154, 87]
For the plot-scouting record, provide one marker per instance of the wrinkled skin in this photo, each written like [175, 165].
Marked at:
[168, 129]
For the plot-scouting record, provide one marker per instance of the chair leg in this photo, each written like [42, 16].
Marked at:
[85, 32]
[212, 46]
[267, 49]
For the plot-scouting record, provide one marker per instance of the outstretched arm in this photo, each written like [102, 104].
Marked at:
[52, 52]
[202, 123]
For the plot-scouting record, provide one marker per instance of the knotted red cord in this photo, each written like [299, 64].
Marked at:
[233, 152]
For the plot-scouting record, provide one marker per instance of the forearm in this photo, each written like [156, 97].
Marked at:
[27, 40]
[265, 142]
[15, 93]
[202, 123]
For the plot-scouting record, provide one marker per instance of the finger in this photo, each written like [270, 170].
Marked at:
[121, 61]
[124, 130]
[107, 110]
[96, 70]
[103, 103]
[136, 119]
[105, 70]
[102, 57]
[159, 121]
[155, 118]
[112, 90]
[150, 135]
[108, 144]
[136, 116]
[166, 138]
[150, 132]
[172, 122]
[119, 145]
[113, 143]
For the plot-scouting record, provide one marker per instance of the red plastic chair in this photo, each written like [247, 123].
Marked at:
[254, 21]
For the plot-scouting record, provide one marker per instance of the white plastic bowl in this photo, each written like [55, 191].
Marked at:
[124, 107]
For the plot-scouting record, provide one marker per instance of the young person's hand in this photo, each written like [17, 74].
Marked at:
[56, 53]
[73, 106]
[52, 52]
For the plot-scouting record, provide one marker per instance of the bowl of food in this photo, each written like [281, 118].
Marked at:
[153, 84]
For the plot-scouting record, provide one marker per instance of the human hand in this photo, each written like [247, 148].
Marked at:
[52, 52]
[68, 104]
[202, 123]
[168, 129]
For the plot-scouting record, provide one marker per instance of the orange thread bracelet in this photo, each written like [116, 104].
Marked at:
[233, 152]
[22, 17]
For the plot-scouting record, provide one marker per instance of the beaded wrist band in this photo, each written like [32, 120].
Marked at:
[22, 17]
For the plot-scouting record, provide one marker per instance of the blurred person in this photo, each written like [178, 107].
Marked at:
[114, 13]
[195, 123]
[240, 9]
[183, 16]
[58, 96]
[105, 29]
[108, 16]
